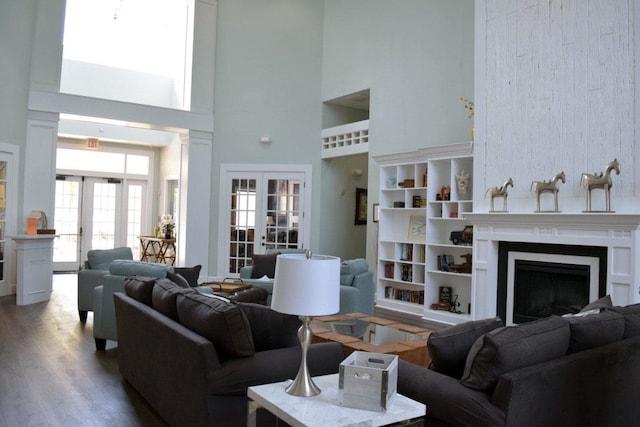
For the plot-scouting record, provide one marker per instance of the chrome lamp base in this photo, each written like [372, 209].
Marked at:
[303, 385]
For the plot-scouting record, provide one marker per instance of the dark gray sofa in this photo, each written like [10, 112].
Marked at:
[192, 356]
[578, 371]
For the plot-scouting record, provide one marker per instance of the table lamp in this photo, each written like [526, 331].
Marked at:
[306, 285]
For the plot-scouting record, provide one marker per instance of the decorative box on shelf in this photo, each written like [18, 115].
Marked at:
[368, 380]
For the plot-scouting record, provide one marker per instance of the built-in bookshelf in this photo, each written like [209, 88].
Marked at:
[420, 206]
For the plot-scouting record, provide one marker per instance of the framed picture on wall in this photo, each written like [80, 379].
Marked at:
[361, 206]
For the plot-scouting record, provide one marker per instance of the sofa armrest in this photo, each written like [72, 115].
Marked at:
[87, 281]
[104, 319]
[364, 283]
[446, 399]
[271, 366]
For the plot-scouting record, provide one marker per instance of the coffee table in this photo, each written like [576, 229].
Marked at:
[325, 409]
[360, 332]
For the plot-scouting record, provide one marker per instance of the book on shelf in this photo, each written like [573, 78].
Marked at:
[407, 295]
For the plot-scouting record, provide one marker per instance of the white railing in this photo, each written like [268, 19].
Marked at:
[344, 140]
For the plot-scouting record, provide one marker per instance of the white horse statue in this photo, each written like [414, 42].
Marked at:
[600, 180]
[500, 192]
[550, 186]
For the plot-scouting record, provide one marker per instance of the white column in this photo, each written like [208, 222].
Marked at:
[195, 198]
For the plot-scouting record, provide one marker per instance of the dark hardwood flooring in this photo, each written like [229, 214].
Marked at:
[52, 375]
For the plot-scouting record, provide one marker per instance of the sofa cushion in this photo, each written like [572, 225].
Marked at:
[599, 304]
[99, 259]
[595, 330]
[512, 347]
[127, 268]
[631, 315]
[270, 329]
[448, 347]
[354, 266]
[163, 297]
[178, 279]
[218, 320]
[192, 274]
[264, 265]
[140, 288]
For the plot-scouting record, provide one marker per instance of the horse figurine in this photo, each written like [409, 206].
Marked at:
[600, 180]
[550, 186]
[500, 192]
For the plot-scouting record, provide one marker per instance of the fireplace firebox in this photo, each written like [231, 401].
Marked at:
[539, 280]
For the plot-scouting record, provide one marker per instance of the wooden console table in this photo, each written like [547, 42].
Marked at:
[154, 249]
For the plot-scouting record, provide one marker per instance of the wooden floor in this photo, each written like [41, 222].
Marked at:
[52, 375]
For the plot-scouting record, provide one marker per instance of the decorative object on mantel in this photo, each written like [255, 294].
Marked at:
[462, 184]
[550, 186]
[500, 192]
[603, 181]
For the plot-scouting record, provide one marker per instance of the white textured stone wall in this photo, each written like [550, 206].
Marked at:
[555, 91]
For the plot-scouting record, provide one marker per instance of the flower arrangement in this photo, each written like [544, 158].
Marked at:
[166, 226]
[468, 105]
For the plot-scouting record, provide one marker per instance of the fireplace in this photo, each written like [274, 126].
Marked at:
[613, 258]
[538, 280]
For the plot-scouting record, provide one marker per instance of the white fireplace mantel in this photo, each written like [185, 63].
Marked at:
[619, 233]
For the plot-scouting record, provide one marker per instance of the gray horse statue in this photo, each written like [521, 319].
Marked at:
[600, 180]
[550, 186]
[500, 192]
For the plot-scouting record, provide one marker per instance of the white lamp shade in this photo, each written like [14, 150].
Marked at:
[306, 286]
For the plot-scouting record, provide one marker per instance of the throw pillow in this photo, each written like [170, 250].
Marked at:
[192, 274]
[631, 315]
[264, 265]
[595, 330]
[178, 279]
[448, 348]
[140, 288]
[512, 347]
[163, 297]
[221, 322]
[601, 304]
[270, 329]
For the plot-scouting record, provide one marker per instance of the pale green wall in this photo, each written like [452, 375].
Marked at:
[17, 21]
[416, 57]
[267, 83]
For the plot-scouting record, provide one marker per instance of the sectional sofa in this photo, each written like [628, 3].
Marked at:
[192, 356]
[576, 371]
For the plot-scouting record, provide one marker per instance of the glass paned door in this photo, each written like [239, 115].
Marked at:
[93, 213]
[283, 213]
[264, 213]
[66, 248]
[3, 218]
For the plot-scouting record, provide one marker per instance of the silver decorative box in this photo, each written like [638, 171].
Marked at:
[368, 380]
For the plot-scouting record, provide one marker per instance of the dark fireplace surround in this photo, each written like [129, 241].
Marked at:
[545, 288]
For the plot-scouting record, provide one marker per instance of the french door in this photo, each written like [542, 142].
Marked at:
[265, 210]
[96, 213]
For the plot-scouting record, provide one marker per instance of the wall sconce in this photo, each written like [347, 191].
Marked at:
[356, 172]
[265, 140]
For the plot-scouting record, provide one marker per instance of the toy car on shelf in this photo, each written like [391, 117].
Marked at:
[462, 237]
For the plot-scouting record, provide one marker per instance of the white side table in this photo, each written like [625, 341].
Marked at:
[34, 268]
[324, 409]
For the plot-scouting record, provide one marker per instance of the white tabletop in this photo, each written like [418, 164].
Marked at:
[325, 410]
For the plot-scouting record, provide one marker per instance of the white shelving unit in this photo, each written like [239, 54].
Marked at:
[412, 194]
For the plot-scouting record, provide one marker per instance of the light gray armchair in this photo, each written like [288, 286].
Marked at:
[95, 267]
[104, 318]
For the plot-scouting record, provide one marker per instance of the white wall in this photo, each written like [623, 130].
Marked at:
[555, 91]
